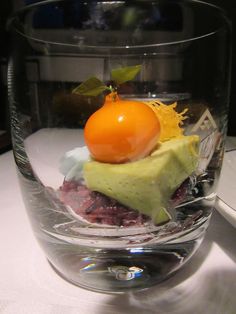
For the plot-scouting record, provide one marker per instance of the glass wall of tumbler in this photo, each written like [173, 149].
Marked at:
[119, 115]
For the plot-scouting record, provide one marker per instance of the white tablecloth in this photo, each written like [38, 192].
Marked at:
[28, 285]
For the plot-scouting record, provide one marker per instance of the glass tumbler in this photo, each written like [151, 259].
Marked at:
[119, 114]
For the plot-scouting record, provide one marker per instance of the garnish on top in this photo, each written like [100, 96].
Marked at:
[122, 131]
[93, 86]
[170, 120]
[125, 130]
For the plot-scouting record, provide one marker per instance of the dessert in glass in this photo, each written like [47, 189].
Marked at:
[119, 113]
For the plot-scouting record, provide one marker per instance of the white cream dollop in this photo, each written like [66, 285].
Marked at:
[71, 164]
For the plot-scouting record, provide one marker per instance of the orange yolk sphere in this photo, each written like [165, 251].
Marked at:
[122, 131]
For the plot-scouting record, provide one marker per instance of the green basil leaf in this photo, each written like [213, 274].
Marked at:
[122, 75]
[91, 87]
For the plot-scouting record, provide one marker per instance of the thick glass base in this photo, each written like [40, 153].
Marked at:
[121, 270]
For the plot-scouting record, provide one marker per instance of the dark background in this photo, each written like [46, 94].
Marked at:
[7, 7]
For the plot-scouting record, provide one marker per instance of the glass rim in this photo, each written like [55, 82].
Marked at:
[221, 13]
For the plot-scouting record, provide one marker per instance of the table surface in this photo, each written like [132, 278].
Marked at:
[28, 285]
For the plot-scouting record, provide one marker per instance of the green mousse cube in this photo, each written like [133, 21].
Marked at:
[148, 184]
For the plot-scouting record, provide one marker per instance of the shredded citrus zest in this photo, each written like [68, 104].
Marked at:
[170, 120]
